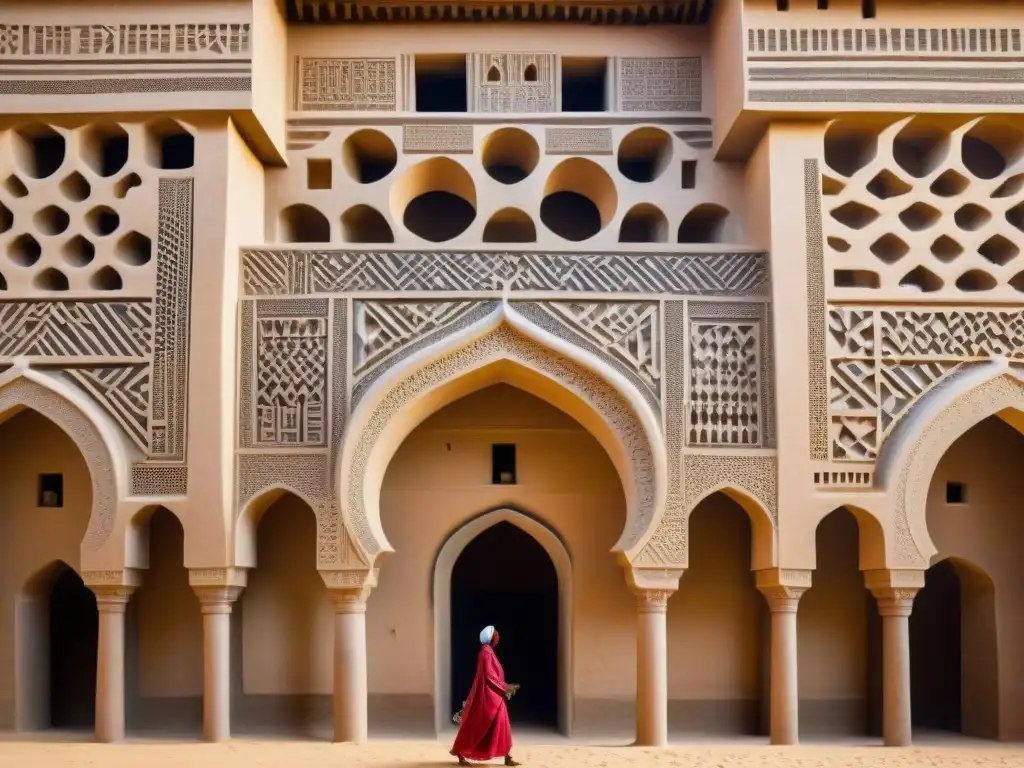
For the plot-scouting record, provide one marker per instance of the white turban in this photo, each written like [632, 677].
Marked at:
[486, 634]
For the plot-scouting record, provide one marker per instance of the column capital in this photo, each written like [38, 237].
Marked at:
[783, 587]
[350, 589]
[112, 598]
[652, 600]
[658, 579]
[216, 599]
[227, 576]
[894, 589]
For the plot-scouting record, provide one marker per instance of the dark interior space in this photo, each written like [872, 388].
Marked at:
[74, 629]
[438, 216]
[935, 651]
[583, 84]
[441, 83]
[570, 215]
[505, 578]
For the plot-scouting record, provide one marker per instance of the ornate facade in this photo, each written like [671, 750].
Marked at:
[281, 283]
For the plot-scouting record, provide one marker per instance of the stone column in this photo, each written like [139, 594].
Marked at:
[111, 603]
[215, 601]
[895, 591]
[782, 589]
[349, 592]
[653, 588]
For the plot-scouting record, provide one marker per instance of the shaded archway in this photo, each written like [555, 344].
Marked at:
[504, 577]
[57, 629]
[283, 627]
[840, 671]
[954, 678]
[718, 631]
[163, 635]
[507, 569]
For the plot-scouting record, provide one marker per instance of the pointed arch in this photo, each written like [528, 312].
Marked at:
[763, 537]
[444, 564]
[251, 511]
[912, 453]
[503, 346]
[91, 432]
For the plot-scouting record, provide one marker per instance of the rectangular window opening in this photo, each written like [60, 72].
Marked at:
[441, 84]
[822, 5]
[868, 9]
[503, 464]
[51, 490]
[689, 180]
[956, 493]
[782, 5]
[318, 174]
[584, 84]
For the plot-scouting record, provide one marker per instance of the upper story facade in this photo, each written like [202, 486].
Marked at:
[236, 233]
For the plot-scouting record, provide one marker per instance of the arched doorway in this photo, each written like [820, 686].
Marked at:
[504, 577]
[57, 630]
[73, 638]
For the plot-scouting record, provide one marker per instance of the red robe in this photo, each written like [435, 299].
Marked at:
[485, 731]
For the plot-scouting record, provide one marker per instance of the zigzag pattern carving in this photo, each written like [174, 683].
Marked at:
[124, 392]
[382, 328]
[122, 329]
[628, 331]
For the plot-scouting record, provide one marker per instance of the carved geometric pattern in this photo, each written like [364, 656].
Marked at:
[498, 82]
[578, 141]
[627, 331]
[381, 328]
[291, 381]
[304, 473]
[756, 475]
[67, 416]
[504, 341]
[161, 41]
[668, 545]
[725, 391]
[660, 84]
[339, 405]
[363, 85]
[817, 385]
[911, 42]
[301, 272]
[170, 355]
[121, 329]
[124, 391]
[885, 360]
[159, 480]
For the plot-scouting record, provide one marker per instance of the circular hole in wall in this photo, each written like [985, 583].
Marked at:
[15, 186]
[991, 145]
[921, 280]
[102, 220]
[510, 225]
[38, 150]
[368, 155]
[510, 155]
[75, 187]
[51, 220]
[887, 184]
[51, 279]
[104, 148]
[644, 223]
[579, 199]
[6, 218]
[999, 250]
[106, 279]
[78, 252]
[919, 216]
[24, 250]
[644, 154]
[854, 215]
[126, 183]
[949, 184]
[435, 199]
[945, 248]
[364, 224]
[134, 249]
[704, 223]
[975, 280]
[301, 223]
[971, 217]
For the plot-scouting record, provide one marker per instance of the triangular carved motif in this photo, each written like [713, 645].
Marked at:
[125, 392]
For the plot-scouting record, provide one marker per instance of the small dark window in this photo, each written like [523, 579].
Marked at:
[530, 73]
[867, 9]
[493, 75]
[51, 490]
[318, 173]
[956, 493]
[441, 83]
[503, 464]
[822, 5]
[583, 84]
[782, 5]
[689, 174]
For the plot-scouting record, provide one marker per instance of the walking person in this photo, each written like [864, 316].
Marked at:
[484, 728]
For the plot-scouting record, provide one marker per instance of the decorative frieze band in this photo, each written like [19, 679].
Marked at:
[164, 42]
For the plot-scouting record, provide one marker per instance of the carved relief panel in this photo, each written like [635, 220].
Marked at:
[512, 82]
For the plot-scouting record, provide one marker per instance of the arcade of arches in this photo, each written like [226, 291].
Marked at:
[567, 615]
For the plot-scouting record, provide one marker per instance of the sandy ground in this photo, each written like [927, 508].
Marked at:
[424, 754]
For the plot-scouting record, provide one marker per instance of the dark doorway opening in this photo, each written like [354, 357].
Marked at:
[505, 578]
[74, 631]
